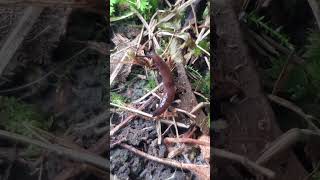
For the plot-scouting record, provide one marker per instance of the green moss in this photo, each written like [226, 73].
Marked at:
[121, 7]
[151, 84]
[17, 113]
[117, 98]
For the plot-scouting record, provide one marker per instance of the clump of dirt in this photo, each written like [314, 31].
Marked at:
[125, 164]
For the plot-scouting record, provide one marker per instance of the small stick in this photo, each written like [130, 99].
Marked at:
[186, 140]
[203, 49]
[156, 95]
[166, 130]
[201, 95]
[144, 22]
[17, 35]
[168, 3]
[129, 118]
[117, 69]
[289, 105]
[133, 110]
[199, 106]
[175, 126]
[179, 124]
[207, 62]
[148, 94]
[195, 19]
[170, 41]
[186, 112]
[243, 160]
[123, 49]
[287, 140]
[202, 171]
[72, 154]
[117, 142]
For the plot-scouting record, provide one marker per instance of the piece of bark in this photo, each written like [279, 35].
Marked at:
[15, 38]
[188, 99]
[252, 120]
[39, 43]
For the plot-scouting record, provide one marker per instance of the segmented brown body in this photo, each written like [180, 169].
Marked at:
[168, 84]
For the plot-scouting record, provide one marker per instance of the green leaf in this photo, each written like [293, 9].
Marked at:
[18, 113]
[144, 5]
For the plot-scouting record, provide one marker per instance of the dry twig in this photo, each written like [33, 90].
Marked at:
[17, 35]
[285, 141]
[199, 106]
[243, 160]
[69, 153]
[287, 104]
[186, 140]
[203, 171]
[129, 118]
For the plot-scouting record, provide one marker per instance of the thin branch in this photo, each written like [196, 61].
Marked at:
[179, 124]
[144, 22]
[195, 19]
[117, 69]
[201, 95]
[177, 10]
[201, 170]
[289, 105]
[132, 110]
[17, 35]
[148, 94]
[243, 160]
[186, 140]
[186, 112]
[129, 118]
[286, 141]
[199, 106]
[70, 153]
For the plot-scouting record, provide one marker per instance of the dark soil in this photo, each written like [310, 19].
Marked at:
[142, 135]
